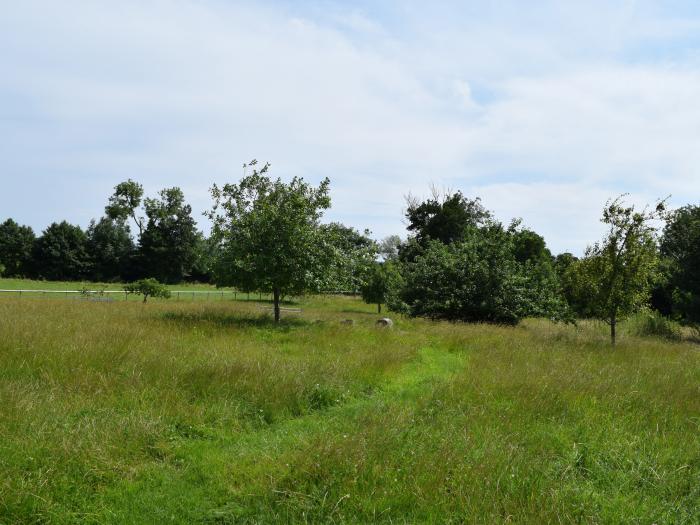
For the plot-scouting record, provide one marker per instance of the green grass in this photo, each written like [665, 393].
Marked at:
[195, 412]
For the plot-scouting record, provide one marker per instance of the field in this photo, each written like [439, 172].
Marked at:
[205, 412]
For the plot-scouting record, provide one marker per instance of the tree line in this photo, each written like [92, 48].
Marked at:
[167, 245]
[457, 261]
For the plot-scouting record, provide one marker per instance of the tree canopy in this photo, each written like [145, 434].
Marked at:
[169, 239]
[615, 277]
[270, 235]
[16, 244]
[680, 247]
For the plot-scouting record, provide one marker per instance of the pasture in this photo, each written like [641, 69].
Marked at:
[206, 412]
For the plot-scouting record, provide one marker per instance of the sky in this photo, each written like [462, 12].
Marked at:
[544, 109]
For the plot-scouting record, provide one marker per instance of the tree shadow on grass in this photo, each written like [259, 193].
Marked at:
[357, 311]
[231, 320]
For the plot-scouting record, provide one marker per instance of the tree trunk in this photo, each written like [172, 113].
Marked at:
[144, 298]
[613, 326]
[276, 298]
[379, 308]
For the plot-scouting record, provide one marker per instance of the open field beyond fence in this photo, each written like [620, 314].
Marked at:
[205, 412]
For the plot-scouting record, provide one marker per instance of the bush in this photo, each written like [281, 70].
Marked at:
[651, 323]
[476, 279]
[148, 288]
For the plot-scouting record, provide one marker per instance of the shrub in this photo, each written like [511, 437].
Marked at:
[651, 323]
[148, 288]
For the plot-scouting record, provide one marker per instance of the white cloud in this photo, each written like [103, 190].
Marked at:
[537, 111]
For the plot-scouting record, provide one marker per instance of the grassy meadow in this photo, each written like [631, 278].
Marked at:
[205, 412]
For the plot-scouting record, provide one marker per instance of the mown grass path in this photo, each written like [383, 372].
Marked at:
[256, 458]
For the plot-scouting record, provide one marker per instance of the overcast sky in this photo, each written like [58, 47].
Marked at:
[543, 109]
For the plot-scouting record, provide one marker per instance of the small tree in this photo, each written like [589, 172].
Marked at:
[615, 277]
[148, 288]
[270, 236]
[377, 283]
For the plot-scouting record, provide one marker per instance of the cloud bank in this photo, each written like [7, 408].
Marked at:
[543, 111]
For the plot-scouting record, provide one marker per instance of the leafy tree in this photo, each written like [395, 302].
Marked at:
[60, 253]
[379, 280]
[529, 246]
[680, 248]
[270, 235]
[169, 239]
[389, 247]
[543, 291]
[205, 254]
[110, 248]
[444, 217]
[148, 287]
[476, 279]
[563, 261]
[615, 277]
[16, 248]
[355, 253]
[125, 202]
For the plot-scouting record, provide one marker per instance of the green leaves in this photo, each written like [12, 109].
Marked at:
[615, 277]
[148, 288]
[680, 247]
[479, 279]
[269, 234]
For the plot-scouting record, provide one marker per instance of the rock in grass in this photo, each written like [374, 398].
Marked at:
[349, 322]
[385, 322]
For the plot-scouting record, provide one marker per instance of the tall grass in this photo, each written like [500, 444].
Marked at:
[194, 412]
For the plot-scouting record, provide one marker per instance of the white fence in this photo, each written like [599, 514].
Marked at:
[121, 294]
[176, 294]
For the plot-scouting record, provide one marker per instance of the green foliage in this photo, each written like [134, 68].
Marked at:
[491, 274]
[2, 269]
[563, 261]
[110, 248]
[615, 277]
[473, 280]
[680, 248]
[148, 288]
[60, 254]
[355, 253]
[270, 235]
[206, 252]
[379, 280]
[444, 217]
[648, 323]
[16, 248]
[169, 240]
[389, 247]
[125, 202]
